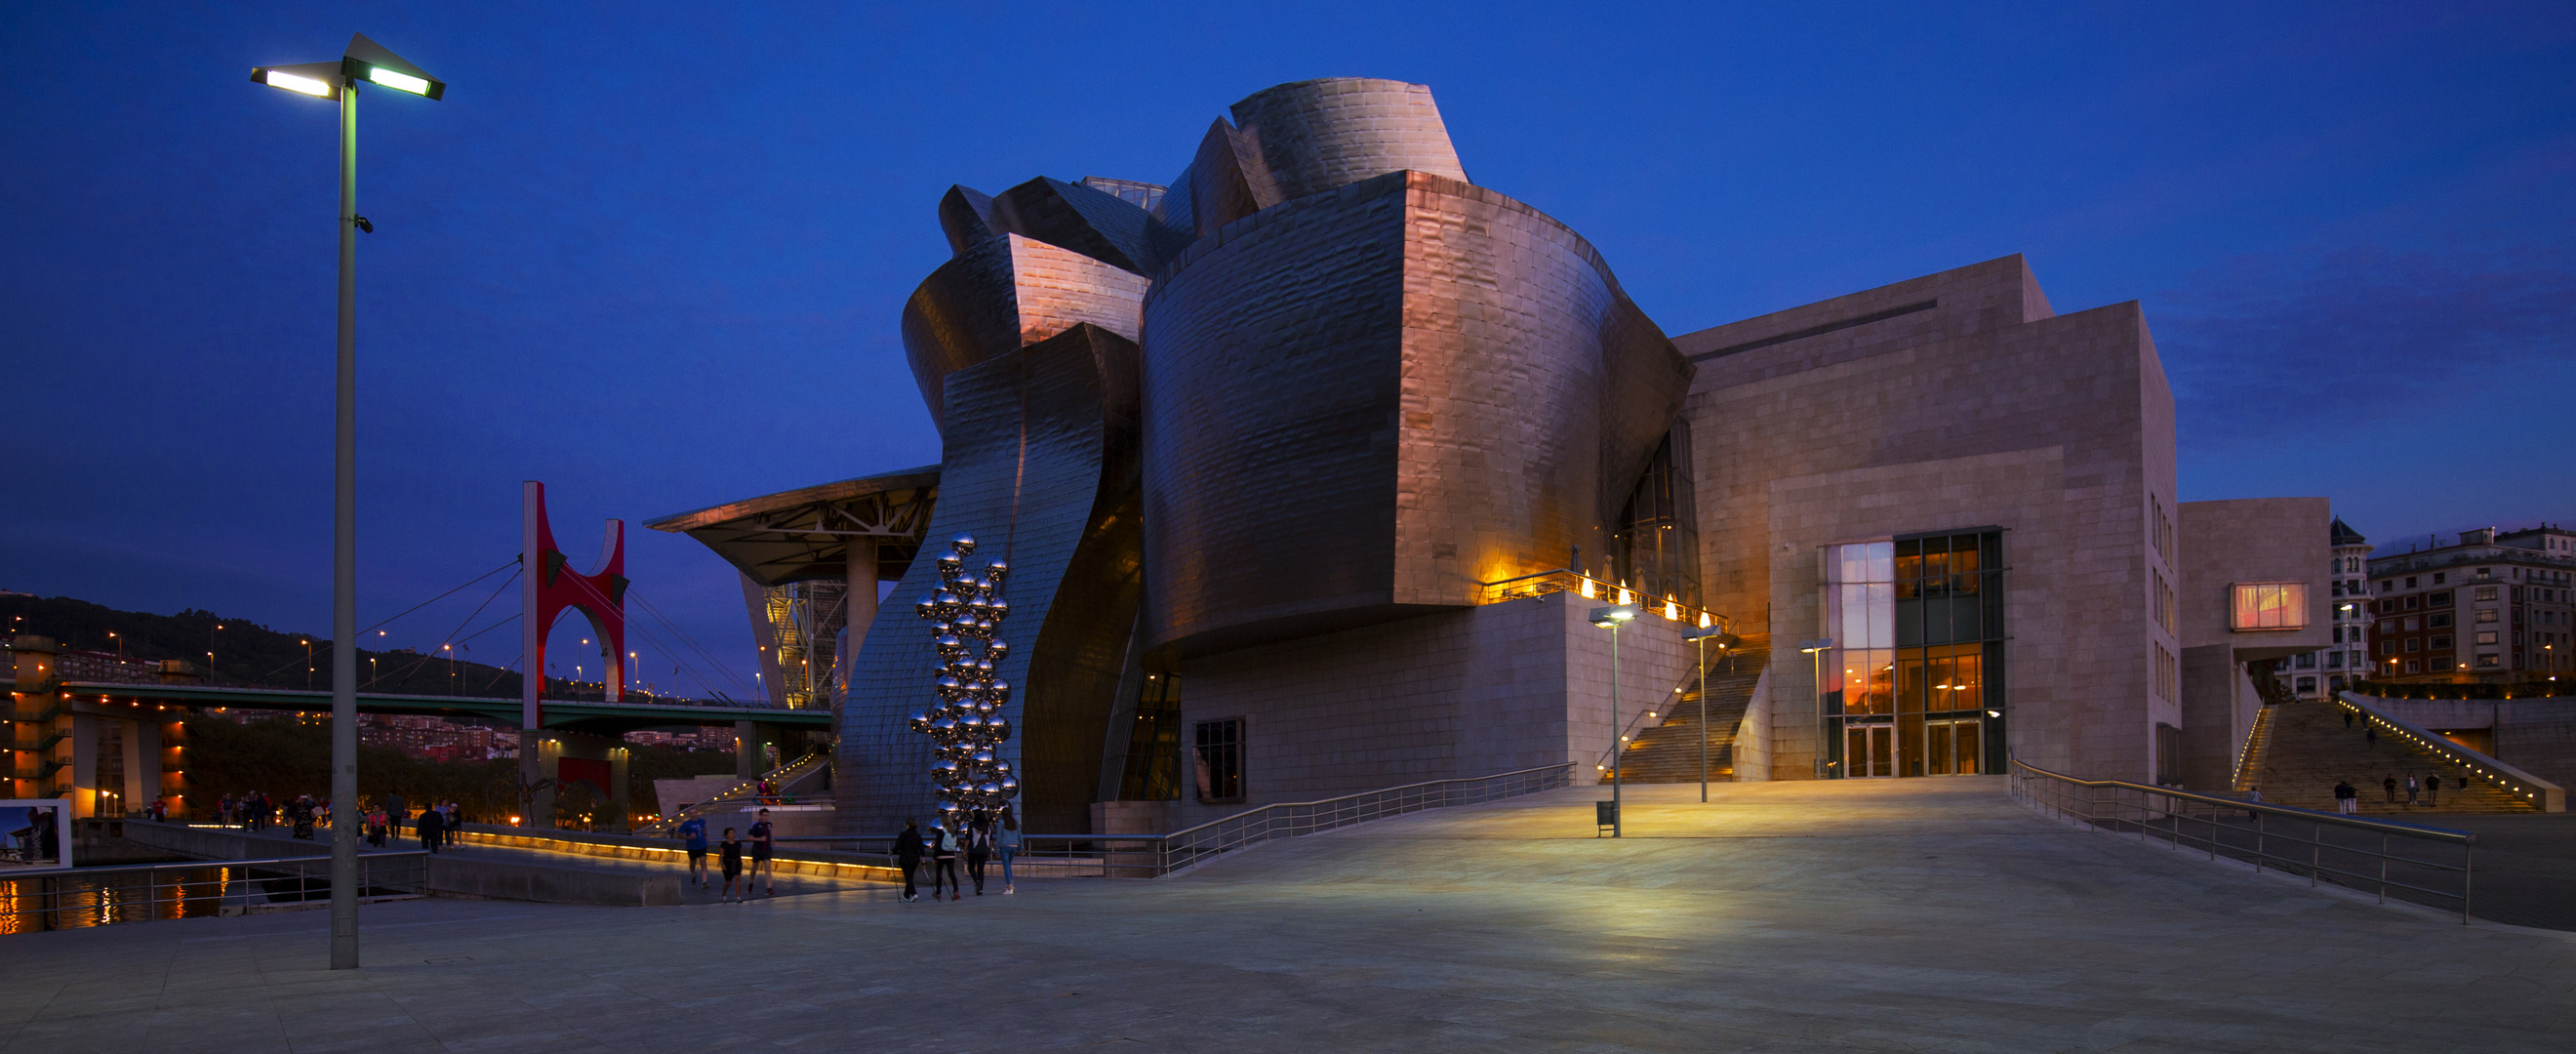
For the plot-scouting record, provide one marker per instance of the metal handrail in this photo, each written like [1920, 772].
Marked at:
[1160, 855]
[95, 898]
[2163, 814]
[744, 791]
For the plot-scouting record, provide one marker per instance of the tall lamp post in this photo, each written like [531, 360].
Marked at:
[1612, 618]
[364, 61]
[1700, 636]
[1815, 650]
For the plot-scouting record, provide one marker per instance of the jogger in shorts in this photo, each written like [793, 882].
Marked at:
[694, 829]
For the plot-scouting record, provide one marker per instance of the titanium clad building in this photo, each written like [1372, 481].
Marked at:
[1309, 466]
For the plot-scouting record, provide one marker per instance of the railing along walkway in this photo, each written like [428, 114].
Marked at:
[2347, 851]
[101, 896]
[1160, 855]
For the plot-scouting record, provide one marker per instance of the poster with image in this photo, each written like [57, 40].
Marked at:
[35, 834]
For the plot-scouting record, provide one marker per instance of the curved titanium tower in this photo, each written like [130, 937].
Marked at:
[1318, 381]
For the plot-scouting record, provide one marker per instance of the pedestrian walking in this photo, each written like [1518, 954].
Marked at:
[729, 859]
[1008, 845]
[301, 815]
[907, 857]
[763, 864]
[2347, 719]
[427, 828]
[224, 809]
[943, 864]
[2411, 788]
[2370, 736]
[979, 848]
[2432, 790]
[2347, 799]
[693, 832]
[2255, 796]
[2390, 784]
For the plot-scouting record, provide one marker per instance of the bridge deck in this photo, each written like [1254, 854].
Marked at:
[577, 715]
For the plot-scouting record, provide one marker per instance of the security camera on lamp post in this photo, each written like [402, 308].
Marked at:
[1612, 618]
[364, 62]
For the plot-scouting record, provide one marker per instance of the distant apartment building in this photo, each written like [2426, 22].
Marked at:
[429, 738]
[2320, 674]
[2492, 607]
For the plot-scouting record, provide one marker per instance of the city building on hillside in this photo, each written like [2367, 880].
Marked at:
[431, 738]
[2490, 607]
[2320, 674]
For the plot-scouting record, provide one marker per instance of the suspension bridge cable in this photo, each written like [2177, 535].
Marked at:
[646, 629]
[514, 562]
[404, 675]
[674, 627]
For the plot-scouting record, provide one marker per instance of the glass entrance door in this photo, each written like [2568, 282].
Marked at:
[1953, 748]
[1869, 750]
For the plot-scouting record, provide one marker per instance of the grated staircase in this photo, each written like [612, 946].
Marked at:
[2299, 749]
[1669, 752]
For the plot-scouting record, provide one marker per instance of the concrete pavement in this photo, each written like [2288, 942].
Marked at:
[1912, 915]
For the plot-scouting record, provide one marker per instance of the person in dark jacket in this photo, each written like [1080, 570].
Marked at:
[428, 829]
[979, 848]
[729, 860]
[907, 857]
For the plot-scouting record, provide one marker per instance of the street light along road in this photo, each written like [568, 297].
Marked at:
[367, 62]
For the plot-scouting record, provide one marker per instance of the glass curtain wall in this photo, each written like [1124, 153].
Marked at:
[1913, 684]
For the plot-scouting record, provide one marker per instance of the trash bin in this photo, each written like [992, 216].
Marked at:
[1605, 817]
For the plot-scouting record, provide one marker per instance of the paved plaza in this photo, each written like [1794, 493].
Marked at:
[1912, 915]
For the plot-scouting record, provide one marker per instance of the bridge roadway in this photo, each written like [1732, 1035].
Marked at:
[1863, 915]
[570, 715]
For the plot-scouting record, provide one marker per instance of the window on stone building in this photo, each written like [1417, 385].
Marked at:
[2442, 642]
[2489, 615]
[2413, 666]
[2334, 660]
[2440, 620]
[2307, 684]
[1220, 754]
[2486, 592]
[2441, 598]
[2489, 661]
[2308, 661]
[2268, 606]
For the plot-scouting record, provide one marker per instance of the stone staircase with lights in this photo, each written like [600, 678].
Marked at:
[1669, 752]
[2299, 749]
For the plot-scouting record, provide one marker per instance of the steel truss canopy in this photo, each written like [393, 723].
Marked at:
[804, 535]
[364, 61]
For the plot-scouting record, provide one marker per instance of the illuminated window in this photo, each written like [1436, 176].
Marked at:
[2268, 606]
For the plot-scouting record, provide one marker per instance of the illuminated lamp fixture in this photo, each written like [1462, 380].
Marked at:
[1612, 618]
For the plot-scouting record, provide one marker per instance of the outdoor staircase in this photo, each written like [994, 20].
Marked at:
[1669, 752]
[2299, 749]
[787, 782]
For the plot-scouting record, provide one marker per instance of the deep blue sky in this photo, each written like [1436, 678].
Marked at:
[654, 255]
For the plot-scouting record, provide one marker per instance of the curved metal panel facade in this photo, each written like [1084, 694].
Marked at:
[1004, 293]
[1313, 136]
[1364, 403]
[1038, 463]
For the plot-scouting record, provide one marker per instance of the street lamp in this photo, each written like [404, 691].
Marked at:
[1611, 618]
[368, 62]
[1815, 651]
[1700, 636]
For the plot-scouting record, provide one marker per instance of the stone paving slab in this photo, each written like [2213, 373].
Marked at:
[1906, 915]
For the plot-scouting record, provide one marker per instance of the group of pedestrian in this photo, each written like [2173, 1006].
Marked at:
[762, 845]
[252, 810]
[981, 837]
[2425, 790]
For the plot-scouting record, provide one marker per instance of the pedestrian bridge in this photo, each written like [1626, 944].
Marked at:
[569, 715]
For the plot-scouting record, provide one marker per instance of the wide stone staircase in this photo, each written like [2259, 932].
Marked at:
[2299, 749]
[1669, 752]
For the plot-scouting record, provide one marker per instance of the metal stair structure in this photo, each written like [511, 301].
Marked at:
[1669, 752]
[2300, 748]
[788, 781]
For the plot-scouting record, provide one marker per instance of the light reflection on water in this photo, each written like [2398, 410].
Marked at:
[72, 900]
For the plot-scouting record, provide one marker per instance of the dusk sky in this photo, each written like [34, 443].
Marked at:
[654, 255]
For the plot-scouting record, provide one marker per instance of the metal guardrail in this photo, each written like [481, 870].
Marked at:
[1160, 855]
[2533, 791]
[746, 790]
[2325, 847]
[103, 896]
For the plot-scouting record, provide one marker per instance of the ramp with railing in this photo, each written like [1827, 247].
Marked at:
[83, 897]
[2417, 864]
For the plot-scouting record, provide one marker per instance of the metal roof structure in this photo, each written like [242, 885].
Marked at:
[804, 534]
